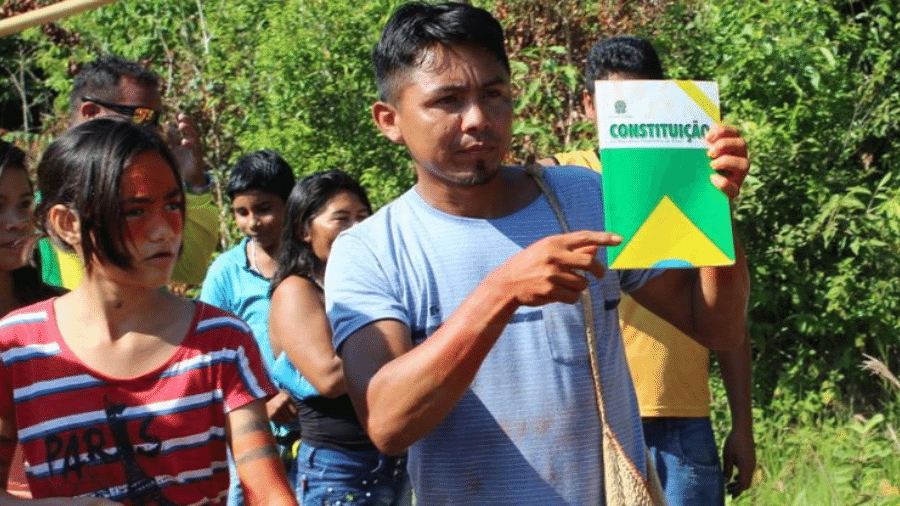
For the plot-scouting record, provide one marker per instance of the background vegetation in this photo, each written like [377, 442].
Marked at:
[812, 84]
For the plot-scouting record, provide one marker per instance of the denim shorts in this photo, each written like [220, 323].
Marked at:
[329, 477]
[687, 460]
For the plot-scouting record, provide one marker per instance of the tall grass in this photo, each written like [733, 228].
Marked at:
[841, 459]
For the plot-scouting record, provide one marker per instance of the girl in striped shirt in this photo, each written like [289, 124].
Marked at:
[119, 391]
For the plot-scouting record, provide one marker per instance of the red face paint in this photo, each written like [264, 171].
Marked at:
[152, 211]
[150, 197]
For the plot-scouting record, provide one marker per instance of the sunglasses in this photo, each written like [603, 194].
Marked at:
[137, 114]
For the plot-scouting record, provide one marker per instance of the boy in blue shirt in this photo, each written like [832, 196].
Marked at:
[239, 279]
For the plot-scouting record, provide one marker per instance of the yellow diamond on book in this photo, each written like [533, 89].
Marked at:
[668, 239]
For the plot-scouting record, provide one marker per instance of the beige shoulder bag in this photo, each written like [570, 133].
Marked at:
[624, 485]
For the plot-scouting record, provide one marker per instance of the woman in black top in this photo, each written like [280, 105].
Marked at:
[336, 462]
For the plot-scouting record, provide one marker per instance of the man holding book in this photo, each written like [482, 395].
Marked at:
[453, 307]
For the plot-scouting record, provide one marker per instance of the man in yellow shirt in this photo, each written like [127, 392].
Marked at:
[669, 369]
[113, 86]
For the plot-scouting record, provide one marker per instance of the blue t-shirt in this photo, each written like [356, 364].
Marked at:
[232, 285]
[527, 430]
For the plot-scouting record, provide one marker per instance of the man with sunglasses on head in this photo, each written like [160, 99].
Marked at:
[114, 86]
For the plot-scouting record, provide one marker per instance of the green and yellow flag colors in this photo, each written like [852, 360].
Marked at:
[656, 189]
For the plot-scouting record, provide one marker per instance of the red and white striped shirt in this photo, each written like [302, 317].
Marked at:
[156, 438]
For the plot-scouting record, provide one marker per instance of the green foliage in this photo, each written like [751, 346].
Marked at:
[547, 44]
[811, 84]
[830, 458]
[811, 87]
[849, 462]
[305, 89]
[21, 87]
[539, 96]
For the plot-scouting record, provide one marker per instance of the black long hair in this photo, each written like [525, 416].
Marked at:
[307, 199]
[28, 286]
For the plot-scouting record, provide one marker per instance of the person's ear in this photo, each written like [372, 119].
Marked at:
[89, 110]
[65, 225]
[587, 101]
[385, 116]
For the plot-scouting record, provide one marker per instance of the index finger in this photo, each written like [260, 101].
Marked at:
[581, 238]
[719, 131]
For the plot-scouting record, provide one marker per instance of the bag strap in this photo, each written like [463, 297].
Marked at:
[537, 173]
[651, 490]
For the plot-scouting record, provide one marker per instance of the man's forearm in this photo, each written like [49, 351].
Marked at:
[739, 449]
[401, 392]
[412, 393]
[736, 376]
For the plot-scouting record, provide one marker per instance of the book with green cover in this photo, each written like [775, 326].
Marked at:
[656, 189]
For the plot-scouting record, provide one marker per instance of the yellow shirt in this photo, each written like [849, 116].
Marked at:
[670, 370]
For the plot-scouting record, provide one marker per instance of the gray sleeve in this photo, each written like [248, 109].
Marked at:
[358, 290]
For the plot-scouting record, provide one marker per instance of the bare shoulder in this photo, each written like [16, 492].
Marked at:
[296, 289]
[295, 298]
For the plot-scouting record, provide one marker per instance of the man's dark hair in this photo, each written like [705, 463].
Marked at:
[308, 200]
[622, 53]
[100, 78]
[262, 170]
[82, 170]
[416, 27]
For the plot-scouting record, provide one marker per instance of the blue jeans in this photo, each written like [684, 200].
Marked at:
[328, 477]
[687, 460]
